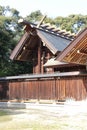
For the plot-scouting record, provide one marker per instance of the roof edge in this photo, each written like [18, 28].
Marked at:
[71, 45]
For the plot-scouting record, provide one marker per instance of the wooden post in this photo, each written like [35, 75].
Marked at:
[39, 57]
[39, 47]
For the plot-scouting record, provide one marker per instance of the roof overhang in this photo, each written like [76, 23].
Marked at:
[76, 51]
[25, 47]
[15, 53]
[52, 63]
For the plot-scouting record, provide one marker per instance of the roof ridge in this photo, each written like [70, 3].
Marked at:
[52, 29]
[55, 30]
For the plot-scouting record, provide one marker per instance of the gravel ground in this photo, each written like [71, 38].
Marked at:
[70, 116]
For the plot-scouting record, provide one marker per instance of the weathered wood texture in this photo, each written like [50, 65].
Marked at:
[4, 90]
[49, 89]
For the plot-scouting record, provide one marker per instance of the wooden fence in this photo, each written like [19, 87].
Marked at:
[46, 88]
[49, 89]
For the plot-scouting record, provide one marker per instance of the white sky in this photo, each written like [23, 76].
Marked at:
[51, 8]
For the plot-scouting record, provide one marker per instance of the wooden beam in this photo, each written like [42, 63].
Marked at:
[73, 44]
[80, 52]
[19, 46]
[41, 21]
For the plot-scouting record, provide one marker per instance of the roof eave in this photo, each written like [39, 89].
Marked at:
[19, 46]
[62, 54]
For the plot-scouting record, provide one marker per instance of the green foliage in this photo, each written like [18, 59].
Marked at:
[34, 16]
[9, 35]
[49, 20]
[4, 116]
[72, 23]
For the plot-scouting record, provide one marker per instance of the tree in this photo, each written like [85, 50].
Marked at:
[72, 23]
[9, 36]
[34, 16]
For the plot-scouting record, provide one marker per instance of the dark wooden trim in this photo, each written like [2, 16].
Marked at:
[19, 46]
[39, 57]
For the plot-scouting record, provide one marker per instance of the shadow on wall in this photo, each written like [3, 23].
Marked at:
[4, 91]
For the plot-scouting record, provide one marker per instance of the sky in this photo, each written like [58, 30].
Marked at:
[51, 8]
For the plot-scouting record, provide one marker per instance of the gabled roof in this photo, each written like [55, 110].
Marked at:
[55, 40]
[76, 51]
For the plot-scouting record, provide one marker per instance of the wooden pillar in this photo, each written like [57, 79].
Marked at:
[39, 57]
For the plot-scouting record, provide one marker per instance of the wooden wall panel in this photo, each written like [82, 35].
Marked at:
[84, 86]
[4, 90]
[49, 89]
